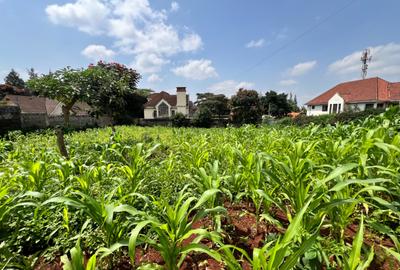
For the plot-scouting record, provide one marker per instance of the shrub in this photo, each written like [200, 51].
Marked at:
[179, 120]
[285, 121]
[203, 118]
[350, 116]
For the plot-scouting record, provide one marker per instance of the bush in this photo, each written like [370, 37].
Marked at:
[350, 116]
[179, 120]
[285, 121]
[303, 120]
[203, 118]
[332, 119]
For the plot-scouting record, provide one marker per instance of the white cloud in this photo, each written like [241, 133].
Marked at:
[255, 43]
[148, 63]
[88, 16]
[137, 28]
[385, 62]
[174, 7]
[288, 82]
[98, 52]
[154, 78]
[191, 42]
[196, 70]
[302, 68]
[229, 87]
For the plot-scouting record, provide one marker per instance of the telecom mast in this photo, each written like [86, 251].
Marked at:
[365, 59]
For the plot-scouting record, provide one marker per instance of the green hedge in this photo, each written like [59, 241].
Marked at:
[329, 119]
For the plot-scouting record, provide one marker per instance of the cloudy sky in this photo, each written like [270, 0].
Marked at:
[303, 47]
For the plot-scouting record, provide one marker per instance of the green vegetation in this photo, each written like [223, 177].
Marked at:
[273, 197]
[109, 88]
[14, 79]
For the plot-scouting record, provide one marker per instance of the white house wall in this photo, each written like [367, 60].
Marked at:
[359, 106]
[316, 111]
[339, 101]
[149, 113]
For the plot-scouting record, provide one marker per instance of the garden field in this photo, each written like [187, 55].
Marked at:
[234, 198]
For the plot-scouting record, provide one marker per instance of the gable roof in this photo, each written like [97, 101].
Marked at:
[367, 90]
[155, 98]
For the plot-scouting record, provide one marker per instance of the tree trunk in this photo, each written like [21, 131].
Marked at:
[66, 116]
[61, 142]
[66, 109]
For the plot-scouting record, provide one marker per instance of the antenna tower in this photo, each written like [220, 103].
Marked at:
[365, 59]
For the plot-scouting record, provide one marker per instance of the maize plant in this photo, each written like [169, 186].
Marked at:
[311, 197]
[173, 226]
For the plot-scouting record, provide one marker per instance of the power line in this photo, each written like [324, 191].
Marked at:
[301, 35]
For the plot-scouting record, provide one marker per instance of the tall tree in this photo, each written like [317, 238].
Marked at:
[32, 73]
[276, 104]
[246, 107]
[112, 86]
[106, 87]
[217, 104]
[66, 85]
[293, 104]
[14, 79]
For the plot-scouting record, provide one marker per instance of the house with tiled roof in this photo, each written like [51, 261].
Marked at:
[42, 112]
[165, 105]
[43, 105]
[356, 95]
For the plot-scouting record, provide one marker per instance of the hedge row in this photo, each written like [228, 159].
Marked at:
[329, 119]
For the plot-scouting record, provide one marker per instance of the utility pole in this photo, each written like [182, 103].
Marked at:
[365, 59]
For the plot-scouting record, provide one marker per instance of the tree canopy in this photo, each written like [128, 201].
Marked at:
[14, 79]
[277, 104]
[217, 104]
[246, 107]
[106, 87]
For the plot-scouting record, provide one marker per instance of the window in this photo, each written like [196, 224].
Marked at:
[173, 112]
[330, 108]
[313, 107]
[380, 105]
[335, 106]
[324, 108]
[163, 110]
[369, 106]
[155, 114]
[340, 106]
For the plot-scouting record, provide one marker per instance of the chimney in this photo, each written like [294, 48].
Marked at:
[181, 100]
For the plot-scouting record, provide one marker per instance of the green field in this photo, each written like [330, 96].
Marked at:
[234, 198]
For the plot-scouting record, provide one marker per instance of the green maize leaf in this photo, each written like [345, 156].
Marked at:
[91, 265]
[134, 236]
[355, 255]
[291, 261]
[340, 171]
[201, 249]
[339, 186]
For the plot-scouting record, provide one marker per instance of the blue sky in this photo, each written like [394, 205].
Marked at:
[303, 47]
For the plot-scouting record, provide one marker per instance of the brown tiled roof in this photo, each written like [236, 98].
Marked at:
[28, 104]
[35, 104]
[373, 89]
[154, 98]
